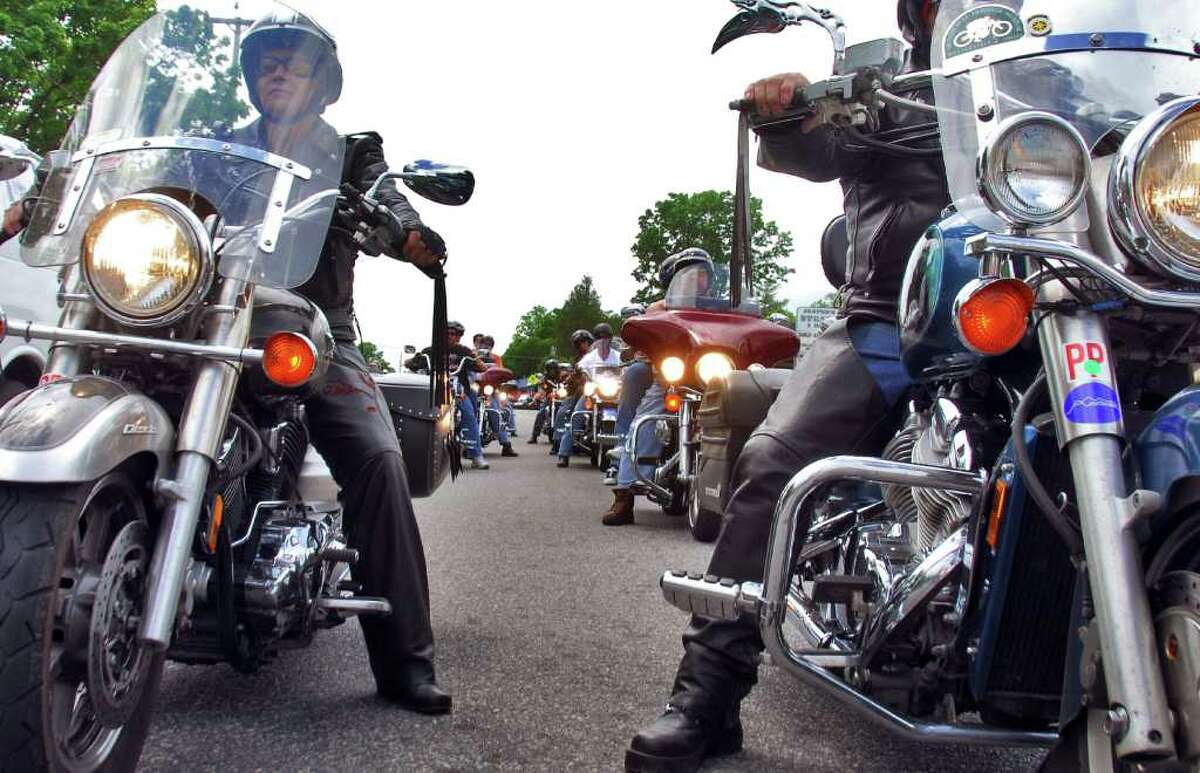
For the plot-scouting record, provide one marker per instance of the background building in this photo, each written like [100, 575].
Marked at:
[811, 321]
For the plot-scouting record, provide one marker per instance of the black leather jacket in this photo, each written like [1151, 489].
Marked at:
[889, 201]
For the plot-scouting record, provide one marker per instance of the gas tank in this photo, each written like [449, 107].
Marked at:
[937, 270]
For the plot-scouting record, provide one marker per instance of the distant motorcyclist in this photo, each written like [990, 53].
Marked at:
[838, 400]
[550, 377]
[581, 341]
[468, 415]
[292, 74]
[602, 354]
[491, 407]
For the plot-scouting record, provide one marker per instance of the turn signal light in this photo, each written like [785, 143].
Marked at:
[214, 526]
[673, 402]
[289, 359]
[999, 504]
[3, 325]
[992, 316]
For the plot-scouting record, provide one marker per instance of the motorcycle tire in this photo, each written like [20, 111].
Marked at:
[10, 389]
[680, 496]
[39, 564]
[704, 524]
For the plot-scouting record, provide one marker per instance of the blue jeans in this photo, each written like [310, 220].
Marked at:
[470, 422]
[637, 378]
[566, 440]
[646, 443]
[496, 416]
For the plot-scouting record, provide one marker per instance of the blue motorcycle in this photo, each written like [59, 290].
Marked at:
[1021, 565]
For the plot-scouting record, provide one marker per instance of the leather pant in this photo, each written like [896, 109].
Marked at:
[833, 404]
[350, 425]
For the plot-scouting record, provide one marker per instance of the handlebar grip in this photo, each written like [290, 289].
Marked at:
[799, 102]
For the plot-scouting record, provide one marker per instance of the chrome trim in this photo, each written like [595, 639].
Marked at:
[187, 221]
[272, 223]
[258, 508]
[74, 194]
[204, 144]
[31, 331]
[66, 360]
[1125, 216]
[1025, 245]
[359, 606]
[99, 444]
[631, 448]
[685, 439]
[986, 160]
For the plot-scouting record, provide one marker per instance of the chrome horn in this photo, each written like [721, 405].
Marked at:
[775, 16]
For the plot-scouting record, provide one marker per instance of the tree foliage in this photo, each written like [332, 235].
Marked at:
[376, 361]
[705, 220]
[827, 301]
[50, 50]
[544, 334]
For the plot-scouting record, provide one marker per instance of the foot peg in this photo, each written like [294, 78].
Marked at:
[363, 605]
[335, 555]
[711, 596]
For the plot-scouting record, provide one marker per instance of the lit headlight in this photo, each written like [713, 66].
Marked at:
[475, 388]
[146, 260]
[1154, 190]
[1035, 170]
[504, 397]
[589, 389]
[672, 369]
[489, 390]
[714, 365]
[608, 386]
[561, 393]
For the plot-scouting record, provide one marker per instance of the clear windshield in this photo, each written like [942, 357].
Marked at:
[695, 287]
[171, 112]
[1099, 66]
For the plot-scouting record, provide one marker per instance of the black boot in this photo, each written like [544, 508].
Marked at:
[564, 461]
[677, 743]
[508, 450]
[416, 690]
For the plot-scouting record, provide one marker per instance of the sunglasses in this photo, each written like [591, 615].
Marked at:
[292, 65]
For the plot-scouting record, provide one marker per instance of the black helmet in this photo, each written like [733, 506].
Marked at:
[293, 31]
[581, 335]
[692, 256]
[550, 366]
[454, 326]
[489, 342]
[603, 330]
[911, 15]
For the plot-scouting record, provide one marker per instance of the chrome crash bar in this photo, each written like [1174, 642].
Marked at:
[31, 331]
[771, 603]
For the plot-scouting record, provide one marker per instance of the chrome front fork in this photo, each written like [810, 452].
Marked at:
[1083, 391]
[201, 429]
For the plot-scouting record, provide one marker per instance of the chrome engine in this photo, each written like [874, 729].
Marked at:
[932, 437]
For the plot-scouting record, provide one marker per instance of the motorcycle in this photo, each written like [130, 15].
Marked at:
[1019, 566]
[695, 341]
[603, 396]
[155, 506]
[485, 388]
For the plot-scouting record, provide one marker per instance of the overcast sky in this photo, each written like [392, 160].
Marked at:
[575, 117]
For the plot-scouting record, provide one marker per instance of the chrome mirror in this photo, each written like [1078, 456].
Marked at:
[15, 158]
[777, 15]
[441, 183]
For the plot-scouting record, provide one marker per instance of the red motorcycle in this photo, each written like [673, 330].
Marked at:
[701, 333]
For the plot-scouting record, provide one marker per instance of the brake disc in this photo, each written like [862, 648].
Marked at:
[117, 663]
[1177, 625]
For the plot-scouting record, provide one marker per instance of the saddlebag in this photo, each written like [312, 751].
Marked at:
[731, 409]
[423, 434]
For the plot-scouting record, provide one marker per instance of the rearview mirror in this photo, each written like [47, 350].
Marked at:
[15, 158]
[441, 183]
[636, 310]
[777, 15]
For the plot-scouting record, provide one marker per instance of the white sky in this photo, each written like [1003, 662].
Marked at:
[575, 117]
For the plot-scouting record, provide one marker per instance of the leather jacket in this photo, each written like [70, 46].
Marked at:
[889, 201]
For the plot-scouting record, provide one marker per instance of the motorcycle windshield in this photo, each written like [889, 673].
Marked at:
[171, 112]
[1098, 66]
[696, 287]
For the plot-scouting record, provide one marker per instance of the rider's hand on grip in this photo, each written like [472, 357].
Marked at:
[777, 95]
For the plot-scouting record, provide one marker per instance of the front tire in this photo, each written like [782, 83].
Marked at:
[54, 543]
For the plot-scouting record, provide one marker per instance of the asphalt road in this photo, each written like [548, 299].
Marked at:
[554, 640]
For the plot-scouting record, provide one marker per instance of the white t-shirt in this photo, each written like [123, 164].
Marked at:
[592, 360]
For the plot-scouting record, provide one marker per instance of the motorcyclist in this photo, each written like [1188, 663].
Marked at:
[837, 401]
[636, 378]
[645, 392]
[492, 409]
[550, 369]
[468, 417]
[581, 341]
[292, 74]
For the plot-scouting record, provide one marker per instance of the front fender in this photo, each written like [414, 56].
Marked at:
[78, 429]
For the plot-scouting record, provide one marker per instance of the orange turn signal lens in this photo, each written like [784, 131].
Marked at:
[214, 526]
[289, 359]
[993, 315]
[673, 402]
[999, 505]
[3, 325]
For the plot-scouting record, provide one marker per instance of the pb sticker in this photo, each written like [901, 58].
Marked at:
[982, 27]
[1092, 403]
[1086, 360]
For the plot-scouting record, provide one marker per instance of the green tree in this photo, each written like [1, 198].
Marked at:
[544, 334]
[705, 220]
[376, 362]
[532, 342]
[827, 301]
[49, 53]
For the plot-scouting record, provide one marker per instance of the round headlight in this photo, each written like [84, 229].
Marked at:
[488, 390]
[672, 369]
[561, 393]
[475, 387]
[1155, 189]
[1035, 170]
[714, 365]
[609, 386]
[146, 259]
